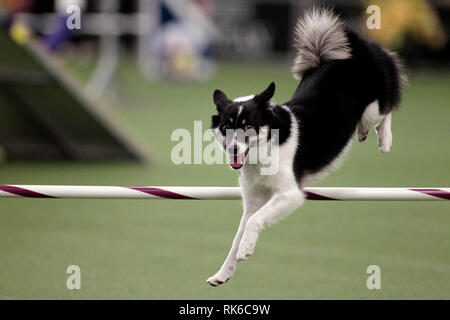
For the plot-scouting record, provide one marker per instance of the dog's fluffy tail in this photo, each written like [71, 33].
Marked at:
[318, 37]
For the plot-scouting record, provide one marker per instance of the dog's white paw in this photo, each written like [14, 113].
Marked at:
[247, 245]
[219, 278]
[384, 134]
[385, 147]
[385, 142]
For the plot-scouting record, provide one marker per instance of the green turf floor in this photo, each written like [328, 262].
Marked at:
[166, 249]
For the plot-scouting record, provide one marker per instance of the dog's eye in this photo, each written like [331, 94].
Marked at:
[224, 128]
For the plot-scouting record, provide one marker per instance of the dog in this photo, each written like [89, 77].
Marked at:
[348, 84]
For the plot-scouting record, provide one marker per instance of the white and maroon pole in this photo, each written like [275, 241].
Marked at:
[216, 193]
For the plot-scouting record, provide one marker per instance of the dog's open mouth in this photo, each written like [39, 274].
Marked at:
[237, 160]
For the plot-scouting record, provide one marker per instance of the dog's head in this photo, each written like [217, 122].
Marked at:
[242, 124]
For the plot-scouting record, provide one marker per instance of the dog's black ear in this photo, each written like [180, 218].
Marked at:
[220, 99]
[264, 97]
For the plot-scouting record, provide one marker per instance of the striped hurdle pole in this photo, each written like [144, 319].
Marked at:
[216, 193]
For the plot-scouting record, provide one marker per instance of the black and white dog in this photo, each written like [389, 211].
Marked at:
[347, 84]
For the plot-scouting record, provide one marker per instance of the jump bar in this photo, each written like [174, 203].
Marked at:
[216, 193]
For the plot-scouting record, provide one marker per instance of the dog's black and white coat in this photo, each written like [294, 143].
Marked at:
[347, 84]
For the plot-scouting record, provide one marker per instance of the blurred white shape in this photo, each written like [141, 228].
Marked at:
[62, 5]
[180, 49]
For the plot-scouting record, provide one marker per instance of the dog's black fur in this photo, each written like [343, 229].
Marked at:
[331, 99]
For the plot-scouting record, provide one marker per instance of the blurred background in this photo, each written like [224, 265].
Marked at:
[90, 92]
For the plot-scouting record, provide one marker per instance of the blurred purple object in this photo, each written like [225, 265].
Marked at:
[8, 22]
[60, 35]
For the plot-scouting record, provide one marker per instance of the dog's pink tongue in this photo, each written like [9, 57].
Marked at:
[236, 161]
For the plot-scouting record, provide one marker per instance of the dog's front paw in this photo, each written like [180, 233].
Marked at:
[247, 245]
[218, 279]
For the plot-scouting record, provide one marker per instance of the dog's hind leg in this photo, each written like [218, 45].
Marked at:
[385, 134]
[280, 205]
[363, 132]
[370, 118]
[253, 200]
